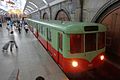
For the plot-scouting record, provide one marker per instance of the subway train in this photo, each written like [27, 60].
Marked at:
[75, 46]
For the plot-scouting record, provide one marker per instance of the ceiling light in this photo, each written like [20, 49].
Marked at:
[33, 4]
[30, 7]
[45, 2]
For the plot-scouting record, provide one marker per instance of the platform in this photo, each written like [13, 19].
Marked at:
[29, 61]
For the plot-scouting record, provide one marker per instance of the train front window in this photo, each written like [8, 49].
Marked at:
[90, 42]
[76, 43]
[101, 40]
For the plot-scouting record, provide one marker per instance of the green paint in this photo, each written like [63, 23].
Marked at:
[67, 28]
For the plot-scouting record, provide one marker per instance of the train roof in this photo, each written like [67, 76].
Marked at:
[71, 27]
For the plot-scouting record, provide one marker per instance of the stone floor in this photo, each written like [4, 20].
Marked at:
[27, 62]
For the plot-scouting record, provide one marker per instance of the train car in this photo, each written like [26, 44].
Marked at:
[75, 46]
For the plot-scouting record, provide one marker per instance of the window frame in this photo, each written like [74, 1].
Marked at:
[80, 45]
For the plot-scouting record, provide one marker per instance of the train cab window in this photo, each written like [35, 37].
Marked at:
[101, 40]
[60, 40]
[90, 42]
[76, 43]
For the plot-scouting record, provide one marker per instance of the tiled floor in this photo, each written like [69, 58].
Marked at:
[29, 61]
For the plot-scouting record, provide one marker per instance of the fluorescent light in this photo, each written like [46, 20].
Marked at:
[45, 2]
[33, 4]
[30, 7]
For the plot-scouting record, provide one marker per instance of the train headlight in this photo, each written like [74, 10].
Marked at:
[74, 63]
[102, 57]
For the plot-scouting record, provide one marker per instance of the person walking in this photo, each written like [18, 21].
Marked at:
[10, 25]
[12, 41]
[7, 27]
[26, 28]
[19, 29]
[20, 23]
[0, 23]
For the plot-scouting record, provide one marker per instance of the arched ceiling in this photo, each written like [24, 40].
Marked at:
[35, 5]
[26, 6]
[12, 4]
[2, 12]
[9, 5]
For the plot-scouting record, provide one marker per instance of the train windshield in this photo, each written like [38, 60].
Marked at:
[90, 42]
[76, 43]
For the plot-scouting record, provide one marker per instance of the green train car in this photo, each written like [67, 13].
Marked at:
[75, 46]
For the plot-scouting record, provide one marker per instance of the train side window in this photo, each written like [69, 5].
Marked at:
[60, 37]
[49, 34]
[76, 43]
[42, 30]
[90, 42]
[38, 28]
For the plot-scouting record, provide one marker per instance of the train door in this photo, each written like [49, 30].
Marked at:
[60, 44]
[49, 39]
[37, 31]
